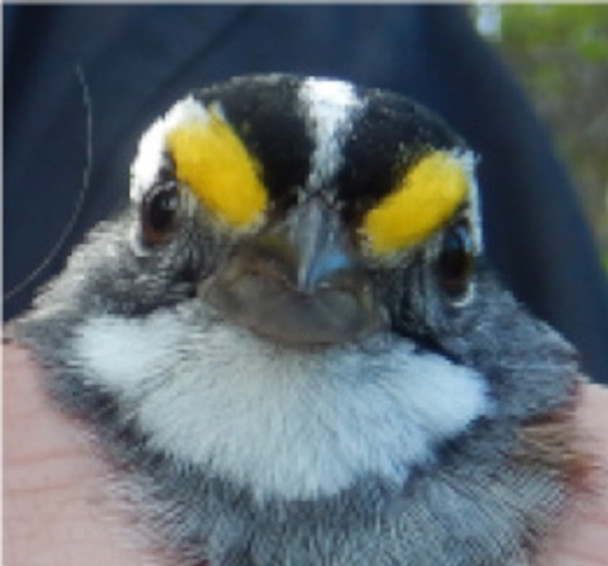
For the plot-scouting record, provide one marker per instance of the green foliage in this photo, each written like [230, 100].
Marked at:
[581, 28]
[555, 34]
[560, 53]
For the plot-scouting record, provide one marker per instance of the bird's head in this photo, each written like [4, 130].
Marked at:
[297, 297]
[309, 211]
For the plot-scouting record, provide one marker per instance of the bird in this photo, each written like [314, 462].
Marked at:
[292, 347]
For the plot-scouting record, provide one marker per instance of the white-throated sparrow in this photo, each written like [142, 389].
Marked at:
[293, 348]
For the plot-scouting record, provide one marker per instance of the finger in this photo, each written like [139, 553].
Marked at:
[55, 503]
[582, 540]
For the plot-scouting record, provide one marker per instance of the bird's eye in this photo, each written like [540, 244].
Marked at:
[159, 212]
[455, 262]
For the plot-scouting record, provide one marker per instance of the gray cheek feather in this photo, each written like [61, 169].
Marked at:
[530, 368]
[472, 510]
[471, 506]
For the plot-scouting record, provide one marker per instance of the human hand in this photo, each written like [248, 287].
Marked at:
[57, 512]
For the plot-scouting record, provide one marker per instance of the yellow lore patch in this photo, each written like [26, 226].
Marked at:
[426, 197]
[212, 160]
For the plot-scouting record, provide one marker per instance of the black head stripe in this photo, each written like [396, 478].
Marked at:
[387, 137]
[390, 136]
[263, 111]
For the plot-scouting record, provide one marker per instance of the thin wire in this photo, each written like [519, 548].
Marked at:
[242, 17]
[86, 179]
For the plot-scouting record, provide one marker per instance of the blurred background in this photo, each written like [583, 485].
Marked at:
[559, 53]
[525, 85]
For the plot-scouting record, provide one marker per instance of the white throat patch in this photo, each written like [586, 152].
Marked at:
[281, 422]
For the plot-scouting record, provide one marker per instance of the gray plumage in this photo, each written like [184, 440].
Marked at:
[479, 496]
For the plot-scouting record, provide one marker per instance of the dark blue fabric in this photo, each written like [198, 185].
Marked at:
[138, 59]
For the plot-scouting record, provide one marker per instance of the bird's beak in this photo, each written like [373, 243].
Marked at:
[299, 282]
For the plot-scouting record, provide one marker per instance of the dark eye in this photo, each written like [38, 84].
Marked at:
[455, 263]
[159, 213]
